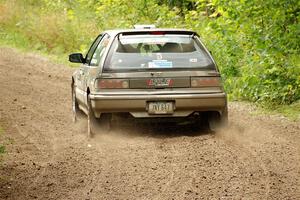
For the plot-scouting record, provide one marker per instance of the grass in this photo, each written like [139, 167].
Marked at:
[50, 34]
[292, 111]
[2, 147]
[18, 41]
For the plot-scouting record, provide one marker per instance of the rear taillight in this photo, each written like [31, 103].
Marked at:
[205, 82]
[157, 33]
[112, 83]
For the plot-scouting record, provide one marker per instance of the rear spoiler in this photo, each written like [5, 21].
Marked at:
[159, 32]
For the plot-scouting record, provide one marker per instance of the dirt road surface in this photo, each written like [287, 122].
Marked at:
[49, 157]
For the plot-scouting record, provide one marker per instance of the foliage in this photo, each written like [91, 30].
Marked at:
[255, 43]
[263, 45]
[2, 148]
[292, 111]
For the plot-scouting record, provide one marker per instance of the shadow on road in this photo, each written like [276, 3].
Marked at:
[159, 129]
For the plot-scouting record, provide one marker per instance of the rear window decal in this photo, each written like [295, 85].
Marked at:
[160, 64]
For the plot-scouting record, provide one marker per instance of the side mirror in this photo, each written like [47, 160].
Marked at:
[76, 58]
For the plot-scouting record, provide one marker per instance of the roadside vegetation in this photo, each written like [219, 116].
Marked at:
[2, 147]
[255, 43]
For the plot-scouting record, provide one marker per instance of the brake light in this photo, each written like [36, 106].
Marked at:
[112, 84]
[157, 33]
[205, 82]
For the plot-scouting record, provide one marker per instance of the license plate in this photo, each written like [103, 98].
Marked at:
[160, 108]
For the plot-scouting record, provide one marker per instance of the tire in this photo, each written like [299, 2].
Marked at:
[201, 124]
[217, 122]
[104, 122]
[75, 106]
[95, 125]
[214, 124]
[91, 120]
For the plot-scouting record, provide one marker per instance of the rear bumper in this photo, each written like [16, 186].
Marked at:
[137, 105]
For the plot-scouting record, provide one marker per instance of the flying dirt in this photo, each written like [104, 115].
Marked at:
[50, 157]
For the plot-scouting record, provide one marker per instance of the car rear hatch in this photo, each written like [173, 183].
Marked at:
[159, 60]
[164, 81]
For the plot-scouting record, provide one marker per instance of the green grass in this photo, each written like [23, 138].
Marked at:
[2, 147]
[14, 39]
[291, 111]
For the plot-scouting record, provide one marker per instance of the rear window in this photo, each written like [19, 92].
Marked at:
[151, 52]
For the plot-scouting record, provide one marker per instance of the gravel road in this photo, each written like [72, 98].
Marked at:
[49, 157]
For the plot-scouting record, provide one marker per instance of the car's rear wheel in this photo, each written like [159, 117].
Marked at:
[75, 106]
[201, 124]
[217, 121]
[104, 122]
[95, 125]
[214, 124]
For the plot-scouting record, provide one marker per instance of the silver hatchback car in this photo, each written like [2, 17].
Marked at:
[148, 73]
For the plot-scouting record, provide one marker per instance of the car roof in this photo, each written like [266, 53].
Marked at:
[141, 31]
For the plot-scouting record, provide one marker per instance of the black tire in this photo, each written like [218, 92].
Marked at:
[95, 125]
[91, 120]
[214, 124]
[201, 124]
[217, 122]
[104, 122]
[75, 106]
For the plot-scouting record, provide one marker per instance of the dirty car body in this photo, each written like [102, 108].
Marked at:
[149, 73]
